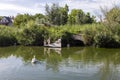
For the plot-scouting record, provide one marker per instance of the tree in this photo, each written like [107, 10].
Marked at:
[80, 17]
[77, 16]
[39, 19]
[53, 14]
[72, 17]
[113, 15]
[90, 19]
[39, 16]
[64, 14]
[57, 15]
[22, 19]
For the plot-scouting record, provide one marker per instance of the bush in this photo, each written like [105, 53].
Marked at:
[88, 32]
[7, 36]
[105, 39]
[32, 35]
[7, 40]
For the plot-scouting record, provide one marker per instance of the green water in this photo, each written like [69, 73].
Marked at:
[77, 63]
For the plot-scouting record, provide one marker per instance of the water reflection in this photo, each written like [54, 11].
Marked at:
[53, 58]
[88, 62]
[48, 51]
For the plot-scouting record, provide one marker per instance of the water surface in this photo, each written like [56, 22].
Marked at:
[76, 63]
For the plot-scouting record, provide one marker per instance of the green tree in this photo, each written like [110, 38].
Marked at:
[77, 16]
[80, 17]
[39, 16]
[52, 14]
[64, 14]
[72, 16]
[113, 16]
[22, 19]
[90, 19]
[39, 19]
[57, 15]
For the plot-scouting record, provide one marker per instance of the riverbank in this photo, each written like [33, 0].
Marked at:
[92, 35]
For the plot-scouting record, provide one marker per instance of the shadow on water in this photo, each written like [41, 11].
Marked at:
[106, 62]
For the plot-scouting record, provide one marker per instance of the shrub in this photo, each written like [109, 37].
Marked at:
[30, 35]
[105, 39]
[7, 36]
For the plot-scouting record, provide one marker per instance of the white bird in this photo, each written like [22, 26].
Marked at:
[34, 60]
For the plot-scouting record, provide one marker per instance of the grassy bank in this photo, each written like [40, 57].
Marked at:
[92, 34]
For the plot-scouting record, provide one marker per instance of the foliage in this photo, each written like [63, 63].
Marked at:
[23, 19]
[112, 17]
[77, 16]
[7, 37]
[29, 30]
[104, 39]
[30, 35]
[57, 15]
[39, 16]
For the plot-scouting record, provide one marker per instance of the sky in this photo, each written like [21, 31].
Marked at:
[13, 7]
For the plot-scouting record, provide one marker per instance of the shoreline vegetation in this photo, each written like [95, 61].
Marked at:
[32, 30]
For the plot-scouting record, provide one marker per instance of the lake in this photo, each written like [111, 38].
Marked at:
[76, 63]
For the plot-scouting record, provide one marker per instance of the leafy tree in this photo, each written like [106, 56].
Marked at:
[80, 17]
[22, 19]
[57, 15]
[71, 19]
[72, 16]
[112, 18]
[77, 16]
[90, 19]
[39, 19]
[53, 14]
[64, 14]
[39, 16]
[113, 15]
